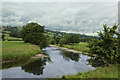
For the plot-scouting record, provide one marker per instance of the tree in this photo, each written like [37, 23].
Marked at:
[106, 48]
[52, 41]
[72, 38]
[67, 38]
[3, 36]
[34, 33]
[14, 32]
[62, 41]
[75, 38]
[57, 38]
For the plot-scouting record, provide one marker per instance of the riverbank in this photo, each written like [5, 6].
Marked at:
[75, 48]
[82, 46]
[18, 50]
[101, 72]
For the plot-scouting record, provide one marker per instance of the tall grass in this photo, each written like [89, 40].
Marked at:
[78, 46]
[101, 72]
[8, 38]
[18, 50]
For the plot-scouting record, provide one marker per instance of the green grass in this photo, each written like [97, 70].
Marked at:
[78, 46]
[101, 72]
[8, 38]
[18, 50]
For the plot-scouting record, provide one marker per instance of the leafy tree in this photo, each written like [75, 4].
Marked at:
[3, 36]
[75, 38]
[57, 38]
[105, 48]
[71, 38]
[34, 33]
[14, 32]
[67, 37]
[44, 42]
[62, 41]
[52, 41]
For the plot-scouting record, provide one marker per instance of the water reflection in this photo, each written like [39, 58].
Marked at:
[13, 64]
[96, 62]
[21, 63]
[70, 56]
[37, 66]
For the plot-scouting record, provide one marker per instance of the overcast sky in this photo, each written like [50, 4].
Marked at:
[78, 17]
[59, 0]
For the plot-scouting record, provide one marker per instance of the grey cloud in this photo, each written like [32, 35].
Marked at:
[85, 18]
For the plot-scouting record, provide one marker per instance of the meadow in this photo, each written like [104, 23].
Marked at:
[82, 46]
[18, 50]
[8, 38]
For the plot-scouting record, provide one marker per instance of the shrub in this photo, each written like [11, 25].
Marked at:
[105, 48]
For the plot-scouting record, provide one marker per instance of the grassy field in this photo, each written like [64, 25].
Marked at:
[18, 50]
[78, 46]
[101, 72]
[8, 38]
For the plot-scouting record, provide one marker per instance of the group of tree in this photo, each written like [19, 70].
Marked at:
[57, 37]
[105, 48]
[36, 34]
[12, 31]
[68, 38]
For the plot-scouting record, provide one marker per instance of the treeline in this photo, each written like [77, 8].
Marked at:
[12, 31]
[54, 37]
[57, 37]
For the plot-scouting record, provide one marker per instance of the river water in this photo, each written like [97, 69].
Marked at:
[57, 64]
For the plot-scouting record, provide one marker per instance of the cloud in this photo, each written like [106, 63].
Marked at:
[60, 1]
[77, 17]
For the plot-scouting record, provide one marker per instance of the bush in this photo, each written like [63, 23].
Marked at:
[105, 48]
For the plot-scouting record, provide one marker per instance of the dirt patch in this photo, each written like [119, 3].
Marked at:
[38, 56]
[66, 49]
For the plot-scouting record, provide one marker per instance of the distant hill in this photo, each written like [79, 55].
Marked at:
[83, 37]
[15, 32]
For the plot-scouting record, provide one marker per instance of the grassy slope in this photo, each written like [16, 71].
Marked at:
[101, 72]
[78, 46]
[18, 50]
[7, 37]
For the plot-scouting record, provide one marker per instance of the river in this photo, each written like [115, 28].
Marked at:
[57, 64]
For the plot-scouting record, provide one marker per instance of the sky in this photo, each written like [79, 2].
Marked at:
[59, 0]
[75, 17]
